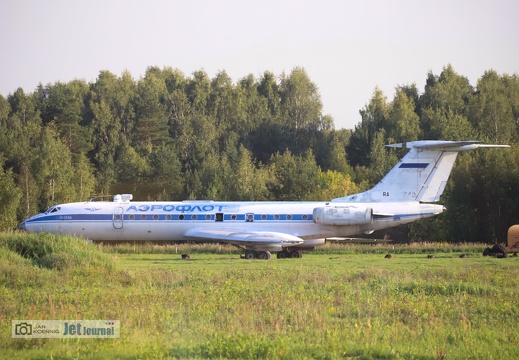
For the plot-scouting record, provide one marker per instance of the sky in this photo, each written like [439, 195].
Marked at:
[348, 48]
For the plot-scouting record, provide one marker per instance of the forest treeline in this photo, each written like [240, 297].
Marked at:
[168, 136]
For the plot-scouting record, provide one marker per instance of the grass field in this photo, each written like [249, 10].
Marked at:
[342, 301]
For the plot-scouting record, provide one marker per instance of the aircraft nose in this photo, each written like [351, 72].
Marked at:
[21, 226]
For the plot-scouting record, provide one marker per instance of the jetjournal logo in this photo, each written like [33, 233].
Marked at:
[27, 329]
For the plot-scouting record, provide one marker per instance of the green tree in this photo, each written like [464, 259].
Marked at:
[331, 151]
[301, 108]
[179, 113]
[247, 183]
[112, 122]
[403, 122]
[225, 109]
[165, 174]
[174, 79]
[201, 143]
[118, 94]
[253, 107]
[10, 197]
[64, 105]
[55, 171]
[106, 132]
[5, 109]
[132, 167]
[198, 91]
[152, 122]
[449, 92]
[268, 89]
[84, 181]
[448, 96]
[382, 160]
[373, 118]
[331, 185]
[481, 198]
[23, 136]
[271, 134]
[293, 177]
[447, 126]
[209, 179]
[492, 110]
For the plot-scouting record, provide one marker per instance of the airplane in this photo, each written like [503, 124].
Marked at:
[406, 194]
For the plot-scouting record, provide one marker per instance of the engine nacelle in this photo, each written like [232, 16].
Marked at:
[343, 215]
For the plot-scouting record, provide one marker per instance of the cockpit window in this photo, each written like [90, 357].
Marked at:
[53, 209]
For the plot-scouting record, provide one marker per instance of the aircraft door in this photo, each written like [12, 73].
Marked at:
[118, 217]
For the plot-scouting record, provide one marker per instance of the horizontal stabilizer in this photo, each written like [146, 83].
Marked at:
[421, 175]
[445, 145]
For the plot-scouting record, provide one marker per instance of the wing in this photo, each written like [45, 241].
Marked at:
[246, 238]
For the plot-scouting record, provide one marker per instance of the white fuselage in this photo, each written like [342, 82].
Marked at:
[168, 221]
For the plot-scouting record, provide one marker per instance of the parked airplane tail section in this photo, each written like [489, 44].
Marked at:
[421, 175]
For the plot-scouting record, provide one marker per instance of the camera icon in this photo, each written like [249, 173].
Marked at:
[23, 329]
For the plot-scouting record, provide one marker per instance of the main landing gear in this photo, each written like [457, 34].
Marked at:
[262, 255]
[266, 255]
[294, 254]
[253, 254]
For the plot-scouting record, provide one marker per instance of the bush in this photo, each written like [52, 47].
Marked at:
[54, 251]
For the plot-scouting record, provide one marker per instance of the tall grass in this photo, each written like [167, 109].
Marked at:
[329, 248]
[53, 251]
[341, 305]
[180, 248]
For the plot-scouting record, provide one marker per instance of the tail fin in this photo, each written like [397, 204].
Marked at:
[421, 175]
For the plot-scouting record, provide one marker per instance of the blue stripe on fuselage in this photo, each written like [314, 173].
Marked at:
[170, 217]
[199, 217]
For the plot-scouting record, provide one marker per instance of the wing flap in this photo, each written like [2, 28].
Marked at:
[245, 237]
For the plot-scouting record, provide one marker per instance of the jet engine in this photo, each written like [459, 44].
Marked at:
[343, 215]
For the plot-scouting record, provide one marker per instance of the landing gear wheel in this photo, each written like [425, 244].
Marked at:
[296, 254]
[264, 255]
[283, 254]
[250, 254]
